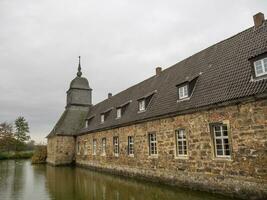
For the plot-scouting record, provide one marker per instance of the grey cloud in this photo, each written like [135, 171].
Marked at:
[120, 41]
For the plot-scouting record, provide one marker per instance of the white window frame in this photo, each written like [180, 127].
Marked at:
[85, 148]
[103, 147]
[78, 147]
[260, 65]
[222, 139]
[86, 123]
[153, 149]
[142, 105]
[183, 92]
[118, 113]
[130, 145]
[116, 146]
[181, 143]
[94, 147]
[102, 118]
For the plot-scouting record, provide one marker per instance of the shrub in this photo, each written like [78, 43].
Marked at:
[39, 155]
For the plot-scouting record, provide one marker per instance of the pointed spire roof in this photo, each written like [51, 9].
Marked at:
[79, 73]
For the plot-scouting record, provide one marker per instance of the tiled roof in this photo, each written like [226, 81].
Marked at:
[223, 71]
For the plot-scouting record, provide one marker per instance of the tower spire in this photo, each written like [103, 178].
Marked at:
[79, 73]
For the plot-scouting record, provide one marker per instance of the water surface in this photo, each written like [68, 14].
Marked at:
[19, 180]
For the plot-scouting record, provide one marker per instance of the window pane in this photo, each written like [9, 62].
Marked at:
[265, 64]
[185, 91]
[218, 141]
[219, 152]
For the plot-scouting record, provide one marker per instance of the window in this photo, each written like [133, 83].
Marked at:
[260, 67]
[87, 123]
[78, 148]
[116, 145]
[86, 148]
[152, 144]
[221, 140]
[181, 143]
[183, 92]
[94, 146]
[142, 105]
[118, 113]
[102, 118]
[103, 149]
[130, 145]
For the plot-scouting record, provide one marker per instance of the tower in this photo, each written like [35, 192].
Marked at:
[61, 140]
[79, 93]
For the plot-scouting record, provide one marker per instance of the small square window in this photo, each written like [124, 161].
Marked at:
[102, 118]
[142, 105]
[183, 92]
[260, 67]
[118, 112]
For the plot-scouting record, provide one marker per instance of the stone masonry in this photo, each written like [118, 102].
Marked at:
[61, 150]
[243, 175]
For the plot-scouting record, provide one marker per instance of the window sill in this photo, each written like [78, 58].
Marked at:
[184, 99]
[226, 158]
[103, 155]
[116, 155]
[131, 155]
[141, 111]
[153, 156]
[181, 157]
[118, 118]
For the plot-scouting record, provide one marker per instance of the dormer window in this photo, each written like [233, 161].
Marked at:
[104, 115]
[183, 91]
[260, 67]
[86, 123]
[186, 88]
[102, 118]
[142, 105]
[144, 101]
[118, 113]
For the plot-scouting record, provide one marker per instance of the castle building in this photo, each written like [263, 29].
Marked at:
[202, 123]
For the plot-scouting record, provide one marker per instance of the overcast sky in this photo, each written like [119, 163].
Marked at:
[121, 42]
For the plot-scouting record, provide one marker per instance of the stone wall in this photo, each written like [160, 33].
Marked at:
[243, 175]
[60, 150]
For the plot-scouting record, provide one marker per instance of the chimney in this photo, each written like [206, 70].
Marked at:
[109, 95]
[258, 19]
[158, 70]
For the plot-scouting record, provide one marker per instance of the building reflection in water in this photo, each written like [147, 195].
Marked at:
[19, 180]
[78, 183]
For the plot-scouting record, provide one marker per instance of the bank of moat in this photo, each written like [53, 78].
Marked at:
[201, 123]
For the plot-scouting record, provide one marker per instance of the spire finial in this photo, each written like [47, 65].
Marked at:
[79, 73]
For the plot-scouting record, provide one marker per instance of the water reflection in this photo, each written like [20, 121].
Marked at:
[21, 180]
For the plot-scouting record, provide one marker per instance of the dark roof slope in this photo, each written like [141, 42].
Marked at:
[70, 122]
[223, 71]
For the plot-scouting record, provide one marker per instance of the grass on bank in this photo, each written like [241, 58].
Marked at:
[16, 155]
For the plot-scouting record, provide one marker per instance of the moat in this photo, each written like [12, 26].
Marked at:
[19, 180]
